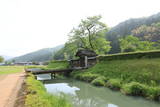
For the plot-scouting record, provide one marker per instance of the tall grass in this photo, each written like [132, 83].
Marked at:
[38, 97]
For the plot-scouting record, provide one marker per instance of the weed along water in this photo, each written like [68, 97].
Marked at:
[82, 94]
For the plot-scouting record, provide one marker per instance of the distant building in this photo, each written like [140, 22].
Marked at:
[22, 63]
[1, 64]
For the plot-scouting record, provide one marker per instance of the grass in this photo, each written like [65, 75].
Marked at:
[99, 81]
[35, 66]
[52, 65]
[114, 84]
[128, 75]
[134, 88]
[38, 97]
[146, 71]
[88, 77]
[58, 65]
[10, 69]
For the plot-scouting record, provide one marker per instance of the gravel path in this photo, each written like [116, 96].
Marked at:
[9, 86]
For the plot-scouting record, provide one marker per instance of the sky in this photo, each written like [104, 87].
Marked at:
[29, 25]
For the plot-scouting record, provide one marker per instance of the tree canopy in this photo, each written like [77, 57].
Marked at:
[132, 43]
[90, 34]
[125, 28]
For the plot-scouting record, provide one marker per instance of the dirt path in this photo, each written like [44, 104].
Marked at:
[9, 86]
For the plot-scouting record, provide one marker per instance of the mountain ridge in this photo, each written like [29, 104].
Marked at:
[124, 28]
[44, 54]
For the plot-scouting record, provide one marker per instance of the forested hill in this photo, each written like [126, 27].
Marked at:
[40, 55]
[125, 28]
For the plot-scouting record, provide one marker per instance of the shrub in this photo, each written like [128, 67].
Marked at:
[114, 84]
[131, 55]
[100, 81]
[88, 77]
[153, 93]
[134, 88]
[76, 75]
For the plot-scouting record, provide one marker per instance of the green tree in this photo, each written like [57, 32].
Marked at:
[131, 44]
[59, 55]
[68, 52]
[90, 34]
[1, 59]
[13, 61]
[128, 44]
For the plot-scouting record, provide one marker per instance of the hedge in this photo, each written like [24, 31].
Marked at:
[131, 55]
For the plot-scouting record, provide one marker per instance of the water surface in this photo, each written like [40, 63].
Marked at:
[82, 94]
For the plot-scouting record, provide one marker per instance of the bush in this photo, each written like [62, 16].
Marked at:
[88, 77]
[100, 81]
[153, 93]
[80, 75]
[134, 88]
[114, 84]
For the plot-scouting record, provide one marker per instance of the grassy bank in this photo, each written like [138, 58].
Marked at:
[38, 97]
[139, 77]
[10, 69]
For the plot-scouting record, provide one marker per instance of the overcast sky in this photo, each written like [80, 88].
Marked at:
[29, 25]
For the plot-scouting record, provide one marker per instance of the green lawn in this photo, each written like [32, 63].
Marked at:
[52, 65]
[58, 65]
[10, 69]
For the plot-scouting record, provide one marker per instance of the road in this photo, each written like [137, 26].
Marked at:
[9, 86]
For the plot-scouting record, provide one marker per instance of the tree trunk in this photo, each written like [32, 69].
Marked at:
[89, 36]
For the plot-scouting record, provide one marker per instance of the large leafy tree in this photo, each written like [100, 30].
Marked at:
[67, 52]
[1, 59]
[90, 34]
[131, 44]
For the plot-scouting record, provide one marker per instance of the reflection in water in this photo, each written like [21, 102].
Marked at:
[44, 77]
[61, 87]
[85, 95]
[111, 105]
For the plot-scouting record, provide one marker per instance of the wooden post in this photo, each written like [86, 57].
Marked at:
[54, 75]
[35, 76]
[86, 61]
[51, 76]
